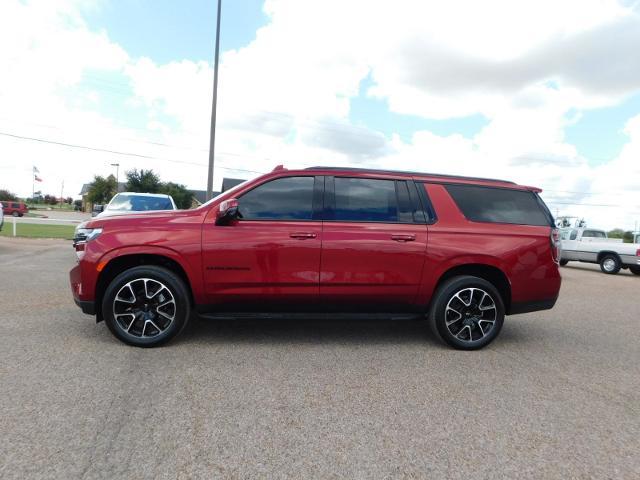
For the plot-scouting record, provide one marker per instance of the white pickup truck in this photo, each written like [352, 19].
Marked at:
[592, 246]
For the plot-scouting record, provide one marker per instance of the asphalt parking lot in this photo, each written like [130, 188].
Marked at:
[556, 396]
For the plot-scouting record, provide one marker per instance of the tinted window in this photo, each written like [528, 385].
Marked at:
[574, 235]
[15, 205]
[365, 200]
[594, 234]
[499, 205]
[289, 198]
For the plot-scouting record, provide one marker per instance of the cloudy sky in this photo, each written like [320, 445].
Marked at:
[544, 93]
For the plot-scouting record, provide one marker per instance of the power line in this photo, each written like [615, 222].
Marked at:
[129, 154]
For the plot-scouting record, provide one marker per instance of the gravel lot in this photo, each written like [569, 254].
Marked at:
[556, 396]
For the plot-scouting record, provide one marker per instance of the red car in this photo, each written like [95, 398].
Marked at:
[17, 209]
[464, 252]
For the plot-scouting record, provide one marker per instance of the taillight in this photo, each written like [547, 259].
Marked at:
[638, 253]
[555, 244]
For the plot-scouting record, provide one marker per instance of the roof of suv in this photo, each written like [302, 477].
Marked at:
[435, 177]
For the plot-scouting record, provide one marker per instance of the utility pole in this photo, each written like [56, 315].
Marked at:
[212, 137]
[117, 165]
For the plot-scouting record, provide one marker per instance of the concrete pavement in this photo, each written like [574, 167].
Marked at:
[557, 395]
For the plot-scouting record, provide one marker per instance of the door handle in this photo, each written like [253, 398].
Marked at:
[302, 235]
[403, 238]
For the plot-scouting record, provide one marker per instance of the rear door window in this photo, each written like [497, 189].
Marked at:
[499, 205]
[365, 200]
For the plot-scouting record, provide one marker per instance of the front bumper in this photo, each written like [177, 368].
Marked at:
[79, 291]
[87, 306]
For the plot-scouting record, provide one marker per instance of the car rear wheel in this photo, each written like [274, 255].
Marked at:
[635, 270]
[15, 214]
[563, 262]
[467, 312]
[146, 306]
[610, 264]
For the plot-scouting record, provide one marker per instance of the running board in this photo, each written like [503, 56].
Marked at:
[309, 316]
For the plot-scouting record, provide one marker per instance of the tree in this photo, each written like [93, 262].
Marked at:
[616, 233]
[101, 189]
[626, 236]
[7, 195]
[143, 181]
[68, 200]
[50, 199]
[179, 193]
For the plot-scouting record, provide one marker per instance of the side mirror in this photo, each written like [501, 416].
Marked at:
[228, 212]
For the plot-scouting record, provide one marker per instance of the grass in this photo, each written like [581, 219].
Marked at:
[34, 230]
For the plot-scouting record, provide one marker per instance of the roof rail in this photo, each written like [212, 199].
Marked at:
[407, 172]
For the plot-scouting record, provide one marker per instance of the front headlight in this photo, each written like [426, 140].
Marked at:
[86, 234]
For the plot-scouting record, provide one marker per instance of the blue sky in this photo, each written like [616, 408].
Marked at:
[167, 30]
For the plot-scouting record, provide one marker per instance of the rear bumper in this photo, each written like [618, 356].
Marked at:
[533, 306]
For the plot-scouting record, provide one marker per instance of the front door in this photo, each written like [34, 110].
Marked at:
[270, 258]
[374, 244]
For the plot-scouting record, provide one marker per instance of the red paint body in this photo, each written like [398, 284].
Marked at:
[306, 265]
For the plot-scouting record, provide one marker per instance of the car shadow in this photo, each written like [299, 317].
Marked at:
[312, 331]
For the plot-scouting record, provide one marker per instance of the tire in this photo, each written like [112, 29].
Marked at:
[480, 320]
[635, 270]
[153, 307]
[610, 264]
[563, 262]
[15, 214]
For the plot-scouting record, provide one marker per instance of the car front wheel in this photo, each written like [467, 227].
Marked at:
[467, 312]
[146, 306]
[635, 270]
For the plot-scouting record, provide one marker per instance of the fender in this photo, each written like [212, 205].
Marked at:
[435, 270]
[191, 265]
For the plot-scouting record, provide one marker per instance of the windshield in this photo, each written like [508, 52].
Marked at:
[139, 203]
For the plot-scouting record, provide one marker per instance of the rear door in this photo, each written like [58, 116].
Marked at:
[270, 258]
[374, 244]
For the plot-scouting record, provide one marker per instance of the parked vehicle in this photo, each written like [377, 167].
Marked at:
[17, 209]
[126, 203]
[299, 243]
[1, 216]
[592, 246]
[97, 210]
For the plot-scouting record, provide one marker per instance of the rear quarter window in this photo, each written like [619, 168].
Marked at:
[500, 205]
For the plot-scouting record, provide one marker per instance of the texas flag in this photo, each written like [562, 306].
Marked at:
[35, 174]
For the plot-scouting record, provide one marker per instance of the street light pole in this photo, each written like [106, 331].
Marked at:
[212, 137]
[117, 165]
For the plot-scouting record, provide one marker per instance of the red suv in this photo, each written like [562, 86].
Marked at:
[17, 209]
[464, 252]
